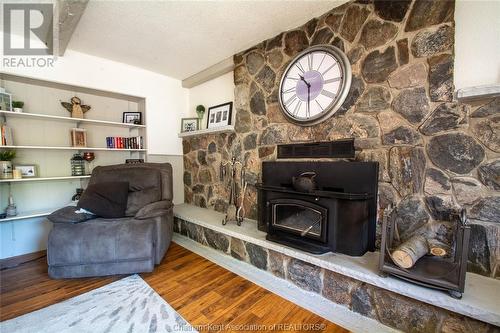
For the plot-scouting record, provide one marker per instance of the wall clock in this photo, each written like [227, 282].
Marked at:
[315, 84]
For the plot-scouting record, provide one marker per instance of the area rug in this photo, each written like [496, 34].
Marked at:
[125, 306]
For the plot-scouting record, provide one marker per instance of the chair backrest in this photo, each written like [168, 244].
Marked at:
[148, 182]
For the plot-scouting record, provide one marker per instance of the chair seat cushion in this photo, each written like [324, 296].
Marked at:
[105, 199]
[101, 241]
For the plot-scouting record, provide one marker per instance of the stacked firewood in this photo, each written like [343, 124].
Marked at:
[417, 246]
[421, 243]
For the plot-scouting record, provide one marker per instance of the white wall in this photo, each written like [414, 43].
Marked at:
[477, 42]
[214, 92]
[166, 103]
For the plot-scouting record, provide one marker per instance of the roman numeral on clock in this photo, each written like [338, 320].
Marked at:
[328, 94]
[321, 63]
[322, 109]
[328, 69]
[290, 100]
[297, 107]
[333, 80]
[288, 90]
[299, 66]
[310, 59]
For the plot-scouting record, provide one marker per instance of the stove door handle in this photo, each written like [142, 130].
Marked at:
[306, 230]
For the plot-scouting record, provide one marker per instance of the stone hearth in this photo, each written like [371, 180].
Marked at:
[352, 282]
[435, 155]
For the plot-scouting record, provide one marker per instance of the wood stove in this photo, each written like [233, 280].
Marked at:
[338, 215]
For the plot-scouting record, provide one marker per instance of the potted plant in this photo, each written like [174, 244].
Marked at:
[6, 157]
[200, 111]
[17, 106]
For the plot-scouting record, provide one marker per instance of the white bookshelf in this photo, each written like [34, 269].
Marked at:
[72, 148]
[41, 137]
[67, 119]
[28, 215]
[41, 179]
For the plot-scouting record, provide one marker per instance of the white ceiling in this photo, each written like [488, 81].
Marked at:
[182, 38]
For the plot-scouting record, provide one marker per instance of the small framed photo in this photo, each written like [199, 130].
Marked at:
[78, 137]
[189, 124]
[5, 101]
[27, 171]
[132, 118]
[219, 115]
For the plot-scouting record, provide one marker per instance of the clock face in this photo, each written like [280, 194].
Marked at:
[315, 84]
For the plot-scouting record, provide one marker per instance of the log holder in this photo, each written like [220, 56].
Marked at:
[446, 274]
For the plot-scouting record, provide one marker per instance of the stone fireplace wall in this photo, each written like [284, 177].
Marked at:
[435, 155]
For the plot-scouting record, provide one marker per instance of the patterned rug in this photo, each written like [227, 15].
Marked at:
[125, 306]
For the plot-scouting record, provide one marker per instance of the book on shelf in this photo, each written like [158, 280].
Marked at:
[119, 142]
[6, 136]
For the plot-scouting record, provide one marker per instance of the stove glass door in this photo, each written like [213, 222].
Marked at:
[299, 217]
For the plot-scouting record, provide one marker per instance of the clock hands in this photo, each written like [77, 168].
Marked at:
[308, 112]
[307, 83]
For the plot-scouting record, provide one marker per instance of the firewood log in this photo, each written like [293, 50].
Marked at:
[407, 254]
[438, 249]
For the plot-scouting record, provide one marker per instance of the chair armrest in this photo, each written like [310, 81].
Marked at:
[154, 209]
[69, 214]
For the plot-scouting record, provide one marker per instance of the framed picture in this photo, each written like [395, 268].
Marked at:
[132, 118]
[219, 115]
[27, 171]
[189, 124]
[5, 101]
[78, 137]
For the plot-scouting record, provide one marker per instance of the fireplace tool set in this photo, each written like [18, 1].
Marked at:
[234, 211]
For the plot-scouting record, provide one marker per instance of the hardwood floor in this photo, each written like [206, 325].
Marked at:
[202, 292]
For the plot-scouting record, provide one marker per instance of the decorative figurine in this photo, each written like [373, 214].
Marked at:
[75, 107]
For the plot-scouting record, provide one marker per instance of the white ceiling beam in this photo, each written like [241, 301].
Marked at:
[70, 12]
[220, 68]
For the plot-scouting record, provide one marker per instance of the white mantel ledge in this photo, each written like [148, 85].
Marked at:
[221, 129]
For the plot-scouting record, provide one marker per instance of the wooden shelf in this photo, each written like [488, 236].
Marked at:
[67, 119]
[35, 179]
[222, 129]
[70, 148]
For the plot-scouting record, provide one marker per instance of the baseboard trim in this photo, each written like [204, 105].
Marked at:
[18, 260]
[333, 312]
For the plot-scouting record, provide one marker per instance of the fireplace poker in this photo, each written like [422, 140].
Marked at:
[240, 213]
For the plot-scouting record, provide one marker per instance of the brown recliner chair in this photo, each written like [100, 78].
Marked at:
[132, 244]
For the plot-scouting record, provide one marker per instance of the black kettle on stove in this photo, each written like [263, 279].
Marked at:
[305, 182]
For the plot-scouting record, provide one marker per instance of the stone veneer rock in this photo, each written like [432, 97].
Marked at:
[435, 154]
[389, 308]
